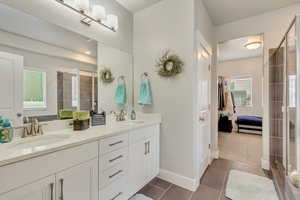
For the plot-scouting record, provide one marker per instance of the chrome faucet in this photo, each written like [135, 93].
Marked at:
[119, 116]
[32, 129]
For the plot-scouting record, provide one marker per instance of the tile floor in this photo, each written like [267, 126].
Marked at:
[241, 147]
[212, 184]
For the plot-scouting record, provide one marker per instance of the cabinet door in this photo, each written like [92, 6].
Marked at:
[40, 190]
[151, 159]
[78, 183]
[137, 166]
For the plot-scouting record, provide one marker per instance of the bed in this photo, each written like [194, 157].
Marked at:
[249, 124]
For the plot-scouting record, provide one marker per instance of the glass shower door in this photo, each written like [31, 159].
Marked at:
[291, 100]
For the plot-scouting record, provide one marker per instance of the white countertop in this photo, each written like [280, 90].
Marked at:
[25, 148]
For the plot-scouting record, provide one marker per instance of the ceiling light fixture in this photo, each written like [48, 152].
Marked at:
[253, 42]
[88, 52]
[95, 13]
[253, 45]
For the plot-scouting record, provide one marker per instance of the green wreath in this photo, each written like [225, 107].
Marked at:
[107, 76]
[169, 65]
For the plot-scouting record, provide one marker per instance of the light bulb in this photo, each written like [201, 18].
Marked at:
[112, 21]
[83, 5]
[98, 12]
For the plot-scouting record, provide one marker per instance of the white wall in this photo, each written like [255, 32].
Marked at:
[203, 22]
[170, 24]
[273, 25]
[55, 13]
[247, 67]
[120, 63]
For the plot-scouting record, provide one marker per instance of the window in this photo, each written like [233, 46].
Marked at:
[34, 89]
[292, 91]
[242, 91]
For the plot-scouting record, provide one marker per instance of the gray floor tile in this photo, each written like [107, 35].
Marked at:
[177, 193]
[160, 183]
[206, 193]
[152, 191]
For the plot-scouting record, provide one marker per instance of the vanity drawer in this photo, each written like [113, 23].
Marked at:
[113, 174]
[113, 143]
[141, 134]
[111, 159]
[117, 190]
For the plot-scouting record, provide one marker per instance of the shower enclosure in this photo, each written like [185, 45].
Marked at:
[284, 86]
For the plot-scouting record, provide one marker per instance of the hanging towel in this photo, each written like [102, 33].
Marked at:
[145, 97]
[120, 96]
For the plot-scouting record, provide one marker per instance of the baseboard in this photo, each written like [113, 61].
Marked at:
[179, 180]
[265, 164]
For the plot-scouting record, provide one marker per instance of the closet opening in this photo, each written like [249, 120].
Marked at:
[240, 99]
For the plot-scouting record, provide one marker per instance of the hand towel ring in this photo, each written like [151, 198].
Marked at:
[121, 78]
[144, 76]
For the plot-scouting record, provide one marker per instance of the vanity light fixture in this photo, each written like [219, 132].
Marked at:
[95, 13]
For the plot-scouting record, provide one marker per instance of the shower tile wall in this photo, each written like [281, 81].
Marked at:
[64, 91]
[276, 69]
[86, 92]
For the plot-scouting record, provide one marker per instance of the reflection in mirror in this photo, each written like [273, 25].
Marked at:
[59, 67]
[77, 90]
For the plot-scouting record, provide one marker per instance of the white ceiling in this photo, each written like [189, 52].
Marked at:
[234, 49]
[225, 11]
[136, 5]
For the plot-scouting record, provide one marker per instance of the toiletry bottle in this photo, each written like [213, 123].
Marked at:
[7, 133]
[133, 115]
[1, 121]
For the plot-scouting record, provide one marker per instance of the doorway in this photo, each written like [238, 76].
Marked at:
[240, 99]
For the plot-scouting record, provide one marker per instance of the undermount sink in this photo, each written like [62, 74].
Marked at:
[39, 141]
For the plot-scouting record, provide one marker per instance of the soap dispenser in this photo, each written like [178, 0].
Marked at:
[133, 115]
[6, 132]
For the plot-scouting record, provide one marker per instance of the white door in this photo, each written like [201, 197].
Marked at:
[137, 152]
[78, 183]
[11, 81]
[40, 190]
[203, 107]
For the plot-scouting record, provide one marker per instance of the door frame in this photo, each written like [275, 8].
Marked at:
[200, 39]
[265, 161]
[17, 61]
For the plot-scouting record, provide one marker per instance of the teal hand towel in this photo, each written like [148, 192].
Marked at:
[120, 96]
[145, 97]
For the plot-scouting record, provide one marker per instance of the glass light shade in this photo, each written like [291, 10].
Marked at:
[98, 12]
[113, 21]
[83, 5]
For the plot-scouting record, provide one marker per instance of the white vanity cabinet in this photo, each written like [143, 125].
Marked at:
[112, 168]
[78, 183]
[143, 157]
[70, 174]
[39, 190]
